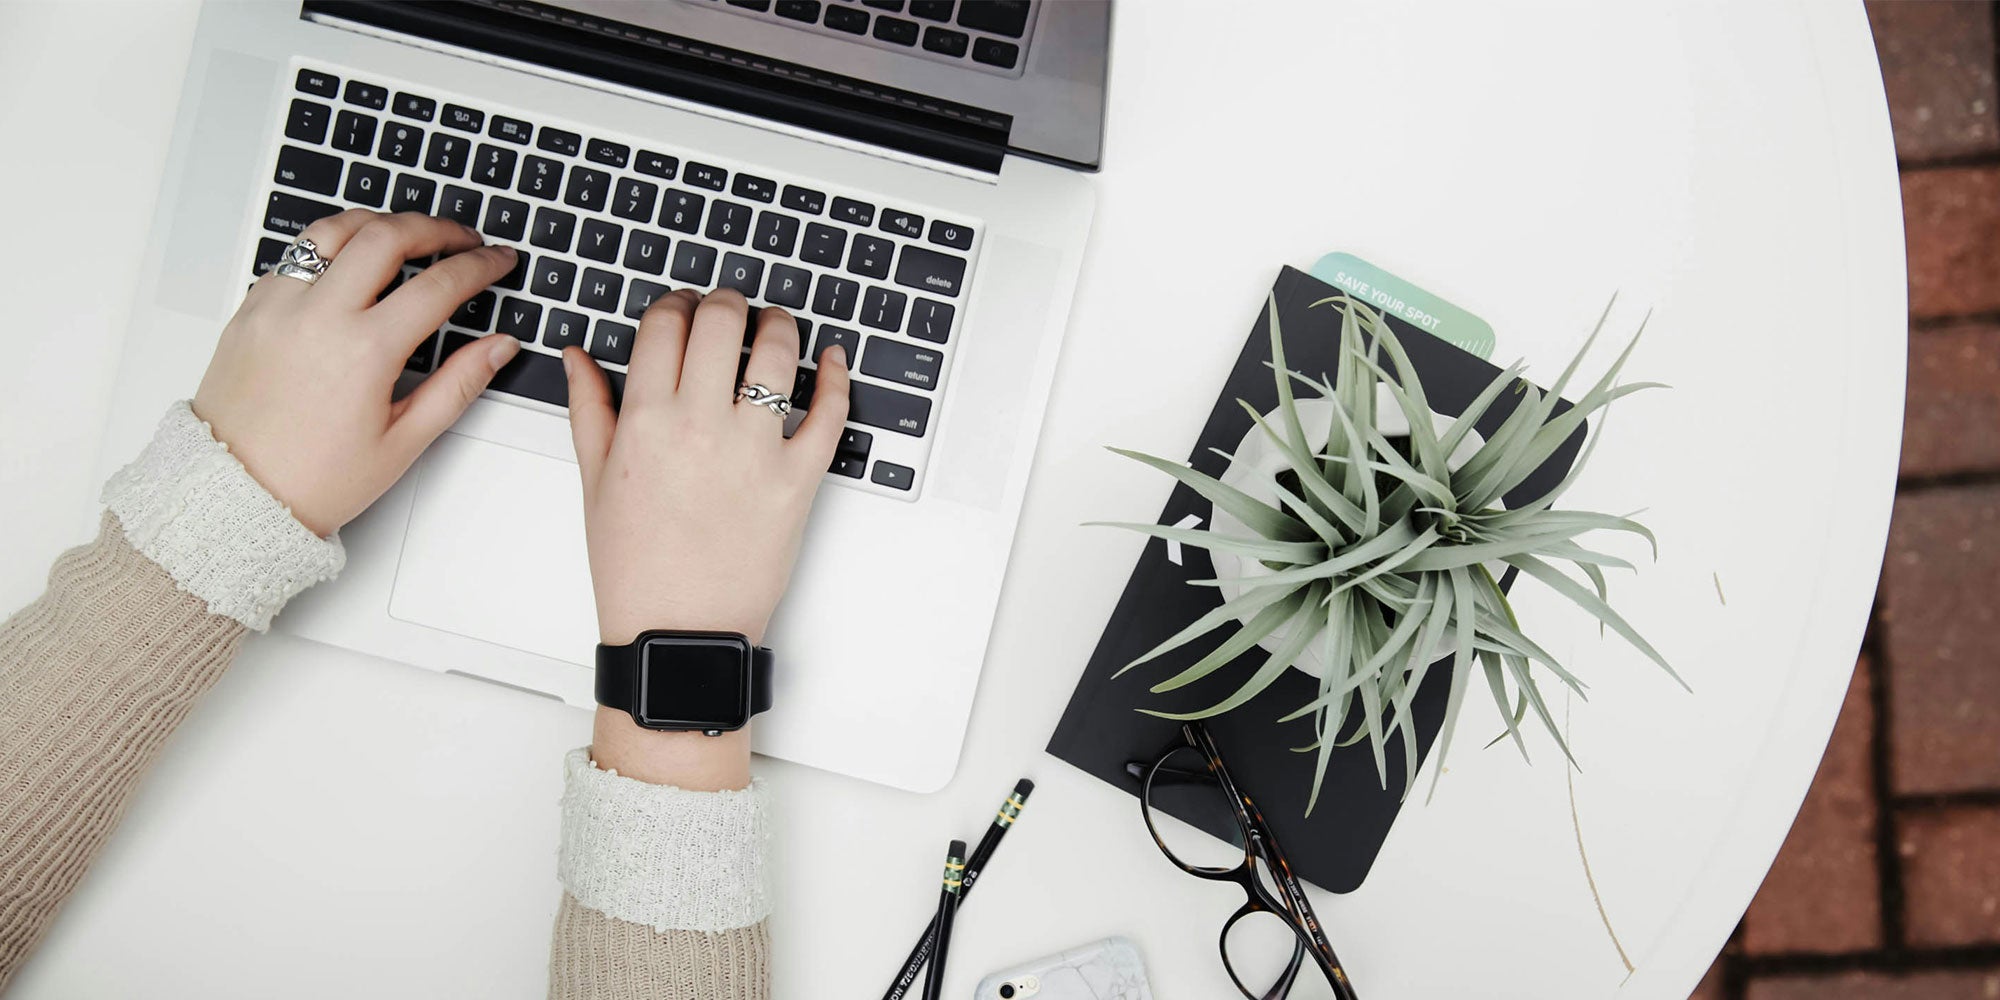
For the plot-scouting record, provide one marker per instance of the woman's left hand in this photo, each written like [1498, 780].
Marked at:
[300, 386]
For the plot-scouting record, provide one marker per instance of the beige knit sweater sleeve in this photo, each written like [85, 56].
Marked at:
[134, 627]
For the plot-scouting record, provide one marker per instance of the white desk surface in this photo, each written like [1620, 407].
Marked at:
[330, 825]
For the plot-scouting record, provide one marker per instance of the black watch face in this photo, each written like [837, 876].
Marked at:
[687, 682]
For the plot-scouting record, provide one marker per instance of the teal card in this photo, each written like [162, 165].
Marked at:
[1407, 302]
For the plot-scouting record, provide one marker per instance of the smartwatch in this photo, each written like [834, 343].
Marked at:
[674, 681]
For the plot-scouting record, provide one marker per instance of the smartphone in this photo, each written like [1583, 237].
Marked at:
[1102, 970]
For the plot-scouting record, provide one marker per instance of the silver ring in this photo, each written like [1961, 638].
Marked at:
[757, 395]
[302, 260]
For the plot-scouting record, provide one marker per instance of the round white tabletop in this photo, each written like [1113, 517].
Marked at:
[331, 825]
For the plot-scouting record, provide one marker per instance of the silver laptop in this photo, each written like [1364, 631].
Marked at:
[908, 179]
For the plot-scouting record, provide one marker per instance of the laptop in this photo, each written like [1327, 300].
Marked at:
[908, 179]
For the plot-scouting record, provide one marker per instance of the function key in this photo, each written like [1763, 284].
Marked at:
[806, 200]
[994, 52]
[951, 234]
[755, 188]
[657, 164]
[556, 140]
[511, 129]
[760, 6]
[902, 223]
[859, 213]
[799, 10]
[463, 118]
[313, 81]
[893, 5]
[852, 20]
[896, 31]
[422, 109]
[367, 95]
[611, 154]
[308, 121]
[945, 41]
[931, 10]
[704, 176]
[999, 17]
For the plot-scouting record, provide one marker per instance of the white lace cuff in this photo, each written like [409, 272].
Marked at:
[663, 857]
[187, 504]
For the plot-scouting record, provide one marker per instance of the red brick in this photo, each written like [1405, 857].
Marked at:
[1937, 67]
[1951, 234]
[1951, 876]
[1942, 640]
[1953, 984]
[1951, 417]
[1823, 891]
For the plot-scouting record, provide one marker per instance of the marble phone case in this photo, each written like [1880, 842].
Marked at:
[1102, 970]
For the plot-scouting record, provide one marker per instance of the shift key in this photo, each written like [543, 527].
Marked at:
[888, 409]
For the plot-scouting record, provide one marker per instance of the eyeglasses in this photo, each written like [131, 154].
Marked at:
[1268, 941]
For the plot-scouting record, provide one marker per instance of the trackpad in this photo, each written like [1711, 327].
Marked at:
[495, 550]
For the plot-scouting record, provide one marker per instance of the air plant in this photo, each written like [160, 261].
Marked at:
[1387, 554]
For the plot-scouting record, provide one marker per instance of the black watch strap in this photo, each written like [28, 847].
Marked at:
[618, 676]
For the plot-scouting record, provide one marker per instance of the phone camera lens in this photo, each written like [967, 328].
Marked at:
[1006, 991]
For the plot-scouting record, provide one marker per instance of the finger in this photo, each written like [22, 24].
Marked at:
[774, 354]
[655, 369]
[437, 403]
[431, 295]
[328, 235]
[715, 345]
[819, 433]
[591, 420]
[375, 252]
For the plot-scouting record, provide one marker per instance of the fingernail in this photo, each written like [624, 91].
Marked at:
[569, 369]
[469, 231]
[503, 351]
[839, 354]
[504, 248]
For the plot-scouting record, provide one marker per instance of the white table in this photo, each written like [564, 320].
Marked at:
[330, 825]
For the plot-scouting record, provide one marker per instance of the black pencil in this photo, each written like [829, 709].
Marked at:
[1010, 810]
[954, 880]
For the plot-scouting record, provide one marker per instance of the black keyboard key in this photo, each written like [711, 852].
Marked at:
[998, 17]
[533, 375]
[460, 205]
[729, 222]
[588, 189]
[402, 144]
[367, 95]
[367, 184]
[413, 194]
[951, 234]
[902, 223]
[521, 318]
[889, 409]
[895, 6]
[476, 314]
[931, 10]
[852, 20]
[754, 188]
[847, 465]
[994, 52]
[896, 361]
[447, 154]
[945, 41]
[312, 81]
[823, 245]
[900, 477]
[634, 199]
[848, 340]
[353, 132]
[599, 290]
[896, 31]
[776, 234]
[869, 256]
[704, 176]
[516, 277]
[506, 219]
[462, 118]
[805, 200]
[290, 214]
[307, 170]
[553, 279]
[882, 308]
[930, 271]
[799, 10]
[836, 297]
[930, 320]
[541, 177]
[760, 6]
[556, 140]
[646, 251]
[599, 241]
[681, 211]
[612, 341]
[512, 130]
[493, 165]
[269, 251]
[694, 264]
[554, 229]
[743, 273]
[641, 296]
[565, 329]
[611, 154]
[308, 121]
[803, 384]
[858, 213]
[657, 164]
[788, 286]
[422, 109]
[854, 441]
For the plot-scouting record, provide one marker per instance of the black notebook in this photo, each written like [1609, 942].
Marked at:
[1102, 731]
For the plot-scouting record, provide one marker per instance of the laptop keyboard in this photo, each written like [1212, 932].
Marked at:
[605, 224]
[989, 35]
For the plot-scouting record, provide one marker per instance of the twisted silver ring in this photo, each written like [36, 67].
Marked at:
[757, 395]
[302, 260]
